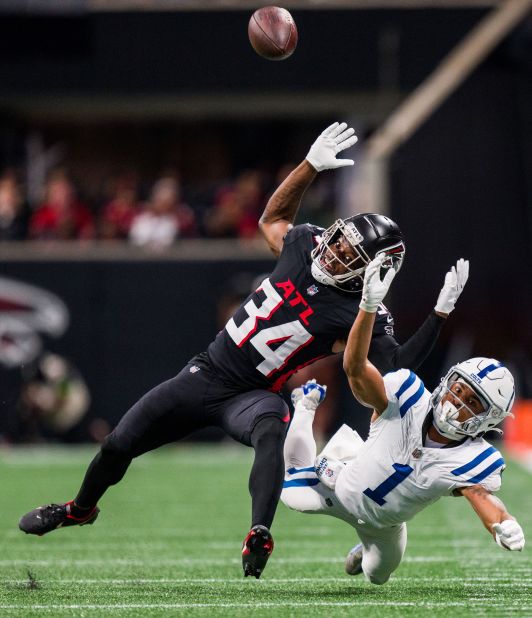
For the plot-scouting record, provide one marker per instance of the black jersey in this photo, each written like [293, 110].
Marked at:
[290, 321]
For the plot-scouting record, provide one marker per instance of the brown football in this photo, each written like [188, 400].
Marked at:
[272, 33]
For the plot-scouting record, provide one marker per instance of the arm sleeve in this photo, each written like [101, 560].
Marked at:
[388, 355]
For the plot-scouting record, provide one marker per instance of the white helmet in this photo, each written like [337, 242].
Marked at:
[494, 386]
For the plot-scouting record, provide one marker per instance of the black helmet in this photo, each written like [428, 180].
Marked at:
[369, 235]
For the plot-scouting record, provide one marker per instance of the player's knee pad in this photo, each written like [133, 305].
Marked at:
[377, 578]
[116, 448]
[301, 499]
[269, 429]
[289, 500]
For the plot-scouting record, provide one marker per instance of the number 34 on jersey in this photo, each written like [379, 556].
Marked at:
[276, 344]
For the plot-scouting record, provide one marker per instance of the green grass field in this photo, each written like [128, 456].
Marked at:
[167, 543]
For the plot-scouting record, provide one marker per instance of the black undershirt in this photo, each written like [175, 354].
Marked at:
[388, 355]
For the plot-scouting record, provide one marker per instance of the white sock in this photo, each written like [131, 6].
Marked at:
[300, 446]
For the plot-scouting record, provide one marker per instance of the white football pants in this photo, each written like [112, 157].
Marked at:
[303, 491]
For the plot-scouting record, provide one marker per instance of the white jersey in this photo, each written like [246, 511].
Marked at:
[393, 476]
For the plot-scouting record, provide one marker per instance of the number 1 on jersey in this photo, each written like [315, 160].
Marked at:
[400, 474]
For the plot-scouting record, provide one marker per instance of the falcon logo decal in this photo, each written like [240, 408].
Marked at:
[27, 311]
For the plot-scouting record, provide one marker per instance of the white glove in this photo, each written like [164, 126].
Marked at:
[509, 535]
[455, 281]
[322, 153]
[374, 289]
[310, 395]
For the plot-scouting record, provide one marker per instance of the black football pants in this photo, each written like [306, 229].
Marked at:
[194, 399]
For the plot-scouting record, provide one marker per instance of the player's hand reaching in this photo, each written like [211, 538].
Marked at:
[375, 289]
[509, 535]
[453, 286]
[322, 153]
[310, 395]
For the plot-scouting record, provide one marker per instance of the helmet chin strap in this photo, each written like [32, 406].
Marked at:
[320, 276]
[443, 414]
[437, 430]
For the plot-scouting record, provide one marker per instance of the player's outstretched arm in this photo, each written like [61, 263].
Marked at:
[507, 533]
[389, 355]
[364, 379]
[281, 209]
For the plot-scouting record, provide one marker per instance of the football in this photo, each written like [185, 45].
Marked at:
[272, 33]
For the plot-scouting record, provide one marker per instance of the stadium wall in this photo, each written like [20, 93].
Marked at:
[461, 188]
[131, 324]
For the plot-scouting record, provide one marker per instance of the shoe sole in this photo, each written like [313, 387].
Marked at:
[254, 562]
[89, 522]
[348, 568]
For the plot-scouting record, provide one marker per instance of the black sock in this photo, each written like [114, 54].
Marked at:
[267, 473]
[106, 469]
[78, 511]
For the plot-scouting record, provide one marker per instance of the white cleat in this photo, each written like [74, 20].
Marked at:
[353, 561]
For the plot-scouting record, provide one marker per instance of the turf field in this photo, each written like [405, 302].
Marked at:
[167, 543]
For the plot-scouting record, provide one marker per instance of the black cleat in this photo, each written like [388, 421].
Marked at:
[256, 549]
[47, 518]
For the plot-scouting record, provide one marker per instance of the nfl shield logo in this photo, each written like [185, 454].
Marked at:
[311, 290]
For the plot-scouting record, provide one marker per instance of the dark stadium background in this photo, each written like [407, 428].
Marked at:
[147, 88]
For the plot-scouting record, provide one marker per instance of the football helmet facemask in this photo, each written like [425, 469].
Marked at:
[368, 235]
[491, 382]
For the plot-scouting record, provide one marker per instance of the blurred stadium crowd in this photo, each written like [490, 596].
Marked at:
[152, 214]
[50, 397]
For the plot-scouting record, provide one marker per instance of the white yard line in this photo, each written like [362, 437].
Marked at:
[469, 581]
[300, 542]
[154, 562]
[252, 605]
